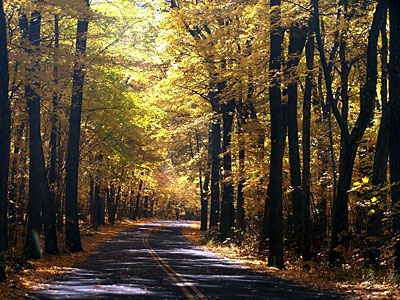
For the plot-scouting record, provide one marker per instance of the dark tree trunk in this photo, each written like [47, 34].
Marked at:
[97, 204]
[204, 208]
[117, 203]
[72, 233]
[203, 195]
[273, 218]
[394, 117]
[379, 173]
[54, 120]
[351, 141]
[146, 206]
[215, 165]
[306, 184]
[136, 216]
[240, 213]
[107, 198]
[5, 117]
[101, 205]
[227, 210]
[152, 202]
[297, 40]
[92, 203]
[15, 183]
[60, 199]
[39, 192]
[111, 205]
[131, 204]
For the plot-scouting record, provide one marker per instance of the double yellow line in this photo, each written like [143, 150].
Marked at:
[175, 276]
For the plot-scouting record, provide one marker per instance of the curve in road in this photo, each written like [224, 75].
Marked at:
[155, 261]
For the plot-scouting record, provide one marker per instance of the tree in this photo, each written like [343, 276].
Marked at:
[227, 211]
[39, 192]
[215, 160]
[351, 140]
[306, 183]
[379, 173]
[72, 165]
[273, 218]
[5, 117]
[297, 40]
[394, 117]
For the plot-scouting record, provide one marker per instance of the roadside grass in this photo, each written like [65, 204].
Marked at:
[354, 282]
[32, 273]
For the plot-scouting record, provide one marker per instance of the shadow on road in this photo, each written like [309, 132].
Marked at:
[123, 268]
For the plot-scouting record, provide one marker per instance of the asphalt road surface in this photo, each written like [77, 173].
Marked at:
[155, 261]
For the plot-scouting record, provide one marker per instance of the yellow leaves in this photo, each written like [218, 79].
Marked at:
[357, 185]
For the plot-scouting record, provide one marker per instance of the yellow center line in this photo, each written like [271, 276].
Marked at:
[174, 275]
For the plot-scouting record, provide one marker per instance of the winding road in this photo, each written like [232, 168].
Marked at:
[155, 261]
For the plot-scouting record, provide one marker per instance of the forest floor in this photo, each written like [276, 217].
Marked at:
[34, 273]
[317, 277]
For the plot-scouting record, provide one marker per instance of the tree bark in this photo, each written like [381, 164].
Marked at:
[240, 213]
[394, 117]
[351, 140]
[136, 216]
[297, 40]
[203, 194]
[5, 119]
[54, 118]
[39, 191]
[379, 173]
[72, 166]
[215, 163]
[273, 217]
[5, 122]
[227, 210]
[306, 184]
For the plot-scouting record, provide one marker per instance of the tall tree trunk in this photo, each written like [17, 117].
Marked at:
[111, 204]
[39, 191]
[352, 140]
[92, 204]
[379, 173]
[131, 204]
[215, 165]
[394, 117]
[297, 40]
[137, 207]
[306, 184]
[240, 213]
[117, 203]
[146, 206]
[273, 218]
[227, 210]
[15, 183]
[54, 119]
[72, 166]
[203, 196]
[5, 117]
[204, 213]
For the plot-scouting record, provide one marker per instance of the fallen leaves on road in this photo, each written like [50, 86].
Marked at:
[313, 278]
[49, 266]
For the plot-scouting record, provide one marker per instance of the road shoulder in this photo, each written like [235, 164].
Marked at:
[49, 267]
[352, 290]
